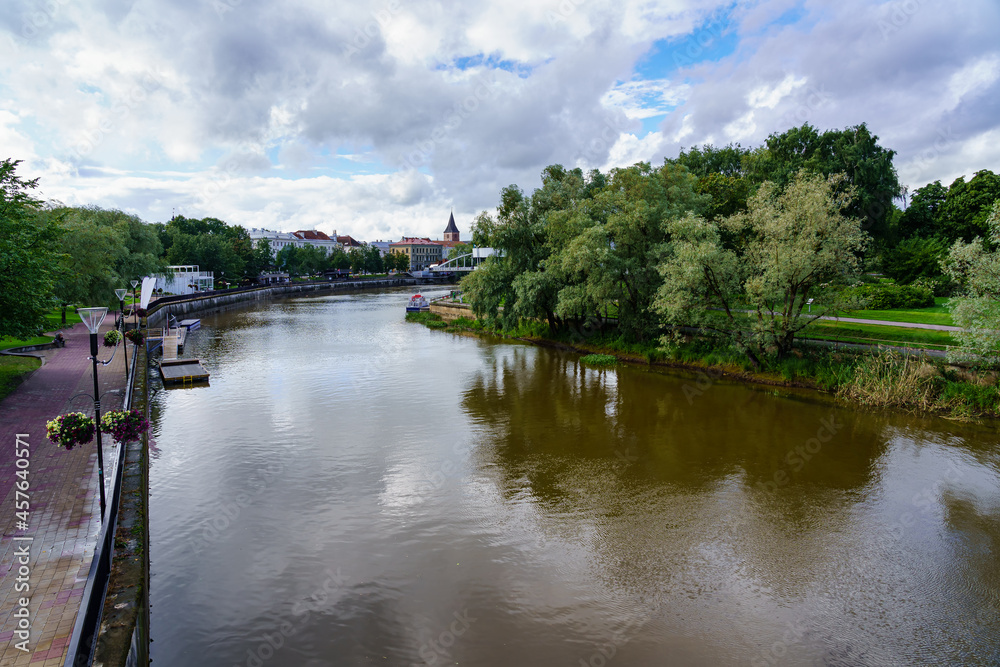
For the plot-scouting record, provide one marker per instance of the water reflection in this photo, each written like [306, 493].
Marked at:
[355, 489]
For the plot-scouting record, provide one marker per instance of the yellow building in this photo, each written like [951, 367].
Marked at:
[422, 251]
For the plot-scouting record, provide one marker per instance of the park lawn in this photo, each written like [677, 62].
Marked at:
[53, 322]
[13, 370]
[849, 332]
[937, 314]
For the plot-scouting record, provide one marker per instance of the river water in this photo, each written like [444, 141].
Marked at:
[353, 489]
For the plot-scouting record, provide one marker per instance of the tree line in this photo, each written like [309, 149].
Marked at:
[748, 244]
[57, 255]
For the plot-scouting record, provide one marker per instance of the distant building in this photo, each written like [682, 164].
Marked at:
[421, 250]
[299, 239]
[383, 246]
[185, 279]
[349, 242]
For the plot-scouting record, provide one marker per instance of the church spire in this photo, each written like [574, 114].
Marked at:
[451, 232]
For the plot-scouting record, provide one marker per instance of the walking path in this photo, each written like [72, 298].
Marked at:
[907, 325]
[64, 503]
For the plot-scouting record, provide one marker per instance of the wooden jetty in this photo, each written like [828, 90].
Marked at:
[173, 340]
[182, 371]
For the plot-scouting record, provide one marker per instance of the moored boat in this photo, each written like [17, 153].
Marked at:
[418, 304]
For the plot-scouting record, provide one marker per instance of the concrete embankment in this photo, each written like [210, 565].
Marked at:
[449, 310]
[159, 310]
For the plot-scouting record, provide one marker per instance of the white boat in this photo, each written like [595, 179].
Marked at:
[418, 304]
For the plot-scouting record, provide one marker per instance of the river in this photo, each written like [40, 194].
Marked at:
[353, 489]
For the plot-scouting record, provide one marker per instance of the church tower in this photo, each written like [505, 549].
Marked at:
[451, 231]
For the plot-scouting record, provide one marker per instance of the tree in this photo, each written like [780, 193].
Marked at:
[977, 268]
[459, 250]
[787, 244]
[914, 258]
[854, 152]
[209, 243]
[923, 216]
[373, 260]
[966, 207]
[27, 255]
[261, 259]
[287, 260]
[339, 259]
[103, 250]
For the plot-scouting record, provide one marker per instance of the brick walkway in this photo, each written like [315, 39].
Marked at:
[65, 518]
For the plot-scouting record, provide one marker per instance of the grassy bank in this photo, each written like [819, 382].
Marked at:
[13, 370]
[876, 377]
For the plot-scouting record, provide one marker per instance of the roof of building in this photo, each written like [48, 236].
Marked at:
[414, 240]
[349, 241]
[312, 235]
[451, 228]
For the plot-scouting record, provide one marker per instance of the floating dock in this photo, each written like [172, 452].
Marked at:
[190, 325]
[182, 371]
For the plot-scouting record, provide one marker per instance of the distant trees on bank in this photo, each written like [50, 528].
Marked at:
[735, 240]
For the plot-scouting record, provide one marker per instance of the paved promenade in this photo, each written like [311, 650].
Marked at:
[64, 502]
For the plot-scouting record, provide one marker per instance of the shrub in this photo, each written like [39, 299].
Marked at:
[70, 430]
[112, 338]
[599, 360]
[886, 296]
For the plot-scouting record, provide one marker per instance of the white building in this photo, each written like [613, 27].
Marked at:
[299, 239]
[185, 279]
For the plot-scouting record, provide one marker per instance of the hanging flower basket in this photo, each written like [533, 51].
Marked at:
[135, 336]
[112, 338]
[124, 426]
[140, 312]
[70, 430]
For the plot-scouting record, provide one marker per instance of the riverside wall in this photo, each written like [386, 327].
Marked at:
[452, 311]
[158, 311]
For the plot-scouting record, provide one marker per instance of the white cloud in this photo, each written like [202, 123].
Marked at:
[312, 113]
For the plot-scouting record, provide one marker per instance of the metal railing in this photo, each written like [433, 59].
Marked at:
[83, 642]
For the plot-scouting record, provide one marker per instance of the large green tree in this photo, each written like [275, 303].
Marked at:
[854, 152]
[102, 251]
[967, 206]
[787, 244]
[28, 255]
[211, 244]
[976, 266]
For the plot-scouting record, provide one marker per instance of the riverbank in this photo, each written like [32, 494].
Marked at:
[875, 377]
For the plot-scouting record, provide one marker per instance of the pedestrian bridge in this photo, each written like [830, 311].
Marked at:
[464, 263]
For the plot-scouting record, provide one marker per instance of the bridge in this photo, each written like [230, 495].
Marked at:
[464, 263]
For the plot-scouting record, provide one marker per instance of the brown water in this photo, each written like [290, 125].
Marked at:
[356, 490]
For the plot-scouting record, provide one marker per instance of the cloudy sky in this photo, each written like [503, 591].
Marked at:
[376, 119]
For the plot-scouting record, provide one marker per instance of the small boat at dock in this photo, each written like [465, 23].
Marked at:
[418, 304]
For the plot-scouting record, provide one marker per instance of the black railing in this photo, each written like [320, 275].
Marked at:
[84, 640]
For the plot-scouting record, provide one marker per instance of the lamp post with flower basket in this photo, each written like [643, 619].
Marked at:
[92, 319]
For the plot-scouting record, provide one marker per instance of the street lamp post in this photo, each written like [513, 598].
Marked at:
[120, 293]
[134, 283]
[92, 319]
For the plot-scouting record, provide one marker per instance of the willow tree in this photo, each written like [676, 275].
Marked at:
[977, 268]
[756, 271]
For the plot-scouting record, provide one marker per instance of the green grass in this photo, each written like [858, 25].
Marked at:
[53, 322]
[938, 314]
[599, 360]
[850, 332]
[13, 370]
[430, 320]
